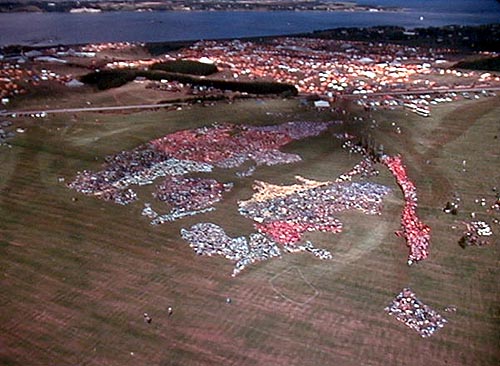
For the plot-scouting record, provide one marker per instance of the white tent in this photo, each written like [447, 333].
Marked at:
[321, 104]
[74, 83]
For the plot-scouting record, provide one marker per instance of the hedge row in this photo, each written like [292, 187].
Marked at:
[186, 67]
[161, 48]
[486, 64]
[115, 78]
[109, 79]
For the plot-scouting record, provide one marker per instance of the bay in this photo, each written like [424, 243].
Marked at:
[66, 28]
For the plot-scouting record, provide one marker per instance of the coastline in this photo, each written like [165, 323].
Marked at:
[383, 33]
[95, 7]
[53, 28]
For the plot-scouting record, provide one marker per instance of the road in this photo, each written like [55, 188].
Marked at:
[88, 109]
[427, 91]
[5, 113]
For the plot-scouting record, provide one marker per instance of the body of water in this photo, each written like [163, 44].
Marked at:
[66, 28]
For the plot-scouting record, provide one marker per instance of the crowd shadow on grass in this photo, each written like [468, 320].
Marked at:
[291, 285]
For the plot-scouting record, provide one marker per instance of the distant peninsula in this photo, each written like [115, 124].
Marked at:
[94, 6]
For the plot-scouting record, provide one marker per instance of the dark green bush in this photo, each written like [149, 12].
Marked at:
[186, 67]
[161, 48]
[487, 64]
[115, 78]
[108, 79]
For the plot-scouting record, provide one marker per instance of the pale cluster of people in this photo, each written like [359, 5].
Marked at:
[166, 85]
[247, 172]
[173, 215]
[6, 132]
[412, 312]
[308, 247]
[365, 168]
[475, 234]
[210, 239]
[108, 46]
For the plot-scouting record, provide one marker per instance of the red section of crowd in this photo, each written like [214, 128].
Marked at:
[219, 143]
[416, 233]
[290, 233]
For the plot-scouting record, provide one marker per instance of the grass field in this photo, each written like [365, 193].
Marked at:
[76, 277]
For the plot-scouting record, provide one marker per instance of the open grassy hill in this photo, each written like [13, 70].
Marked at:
[77, 276]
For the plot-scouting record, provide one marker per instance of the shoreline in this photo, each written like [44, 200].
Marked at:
[333, 33]
[96, 7]
[373, 10]
[161, 26]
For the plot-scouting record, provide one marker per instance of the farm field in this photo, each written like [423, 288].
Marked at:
[78, 275]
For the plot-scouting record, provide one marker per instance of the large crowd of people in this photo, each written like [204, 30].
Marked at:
[210, 239]
[416, 233]
[139, 166]
[186, 196]
[188, 151]
[281, 215]
[412, 312]
[191, 193]
[284, 213]
[229, 146]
